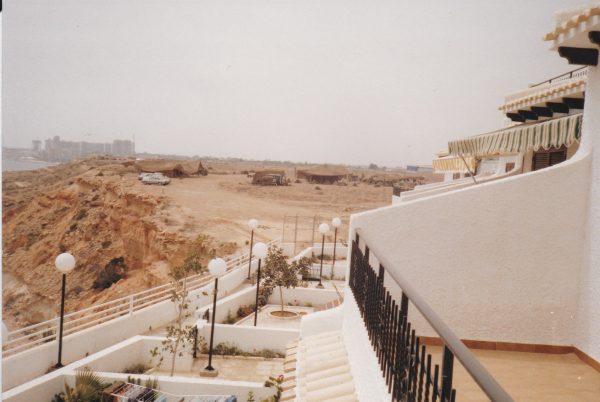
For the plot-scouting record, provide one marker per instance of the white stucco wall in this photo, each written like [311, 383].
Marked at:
[110, 362]
[368, 381]
[322, 321]
[498, 261]
[251, 338]
[34, 362]
[588, 314]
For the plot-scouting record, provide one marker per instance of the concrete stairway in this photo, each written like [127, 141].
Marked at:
[323, 370]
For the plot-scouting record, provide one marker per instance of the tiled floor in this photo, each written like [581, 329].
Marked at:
[236, 368]
[530, 377]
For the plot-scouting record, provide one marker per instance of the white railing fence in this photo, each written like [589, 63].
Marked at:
[37, 334]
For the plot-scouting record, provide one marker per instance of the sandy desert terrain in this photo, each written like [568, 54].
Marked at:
[98, 210]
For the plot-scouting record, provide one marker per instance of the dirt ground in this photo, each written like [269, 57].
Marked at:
[98, 210]
[221, 205]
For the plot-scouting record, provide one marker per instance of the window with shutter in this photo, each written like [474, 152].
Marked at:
[543, 159]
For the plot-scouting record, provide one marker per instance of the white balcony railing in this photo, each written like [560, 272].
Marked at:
[43, 332]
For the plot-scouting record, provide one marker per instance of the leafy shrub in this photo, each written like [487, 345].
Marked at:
[230, 319]
[228, 349]
[138, 368]
[244, 311]
[269, 354]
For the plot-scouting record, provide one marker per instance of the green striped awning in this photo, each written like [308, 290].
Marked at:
[524, 137]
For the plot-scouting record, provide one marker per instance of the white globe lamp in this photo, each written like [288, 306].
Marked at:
[217, 267]
[252, 224]
[323, 228]
[260, 250]
[336, 222]
[65, 263]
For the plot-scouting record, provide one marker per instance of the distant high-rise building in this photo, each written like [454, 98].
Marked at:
[56, 149]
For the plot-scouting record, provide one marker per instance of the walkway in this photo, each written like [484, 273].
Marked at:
[529, 377]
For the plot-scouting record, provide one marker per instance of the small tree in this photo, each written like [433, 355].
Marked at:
[179, 336]
[278, 273]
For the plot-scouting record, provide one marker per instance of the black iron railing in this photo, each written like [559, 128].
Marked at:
[404, 361]
[578, 72]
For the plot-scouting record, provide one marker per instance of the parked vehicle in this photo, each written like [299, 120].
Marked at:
[155, 178]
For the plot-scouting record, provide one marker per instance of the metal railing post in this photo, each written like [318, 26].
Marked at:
[404, 362]
[447, 369]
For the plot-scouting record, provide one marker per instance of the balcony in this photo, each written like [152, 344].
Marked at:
[423, 368]
[557, 96]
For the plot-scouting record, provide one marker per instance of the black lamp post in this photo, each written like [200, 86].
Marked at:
[323, 228]
[217, 268]
[252, 224]
[260, 251]
[64, 263]
[336, 223]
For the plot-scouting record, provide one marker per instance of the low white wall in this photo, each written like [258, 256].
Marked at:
[302, 296]
[368, 381]
[109, 363]
[338, 271]
[200, 386]
[322, 321]
[34, 362]
[230, 304]
[251, 338]
[340, 250]
[497, 261]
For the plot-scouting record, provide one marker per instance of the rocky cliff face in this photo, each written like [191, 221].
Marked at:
[86, 208]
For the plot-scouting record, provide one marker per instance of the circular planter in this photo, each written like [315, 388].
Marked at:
[287, 315]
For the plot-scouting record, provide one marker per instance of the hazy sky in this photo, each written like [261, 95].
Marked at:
[354, 81]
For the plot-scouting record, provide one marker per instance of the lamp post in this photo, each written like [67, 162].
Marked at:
[252, 224]
[217, 268]
[260, 251]
[323, 228]
[336, 223]
[64, 263]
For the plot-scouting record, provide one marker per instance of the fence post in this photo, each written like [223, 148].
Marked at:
[131, 304]
[447, 368]
[312, 238]
[295, 233]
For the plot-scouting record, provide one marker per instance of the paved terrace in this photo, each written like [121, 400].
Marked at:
[529, 377]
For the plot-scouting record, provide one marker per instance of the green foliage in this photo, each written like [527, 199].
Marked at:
[303, 266]
[244, 311]
[274, 382]
[230, 349]
[138, 368]
[180, 337]
[250, 397]
[279, 273]
[88, 388]
[230, 319]
[269, 354]
[150, 382]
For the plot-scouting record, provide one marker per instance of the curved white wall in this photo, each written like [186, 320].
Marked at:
[498, 261]
[588, 331]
